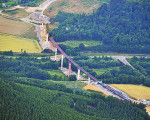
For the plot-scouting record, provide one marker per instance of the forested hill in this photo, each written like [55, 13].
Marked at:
[121, 26]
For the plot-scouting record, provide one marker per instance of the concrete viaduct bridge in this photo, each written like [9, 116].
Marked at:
[49, 43]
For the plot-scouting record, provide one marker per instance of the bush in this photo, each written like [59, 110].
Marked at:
[72, 78]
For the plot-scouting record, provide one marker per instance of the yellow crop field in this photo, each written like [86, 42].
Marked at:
[136, 91]
[14, 43]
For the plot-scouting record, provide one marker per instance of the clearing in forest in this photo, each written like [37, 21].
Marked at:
[72, 84]
[77, 43]
[135, 91]
[100, 71]
[13, 27]
[14, 43]
[55, 72]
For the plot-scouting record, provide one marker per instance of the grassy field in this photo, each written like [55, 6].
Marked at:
[72, 84]
[13, 27]
[74, 6]
[76, 43]
[55, 72]
[103, 70]
[14, 43]
[136, 91]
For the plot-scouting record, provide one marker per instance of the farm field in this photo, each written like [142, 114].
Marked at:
[29, 33]
[14, 43]
[13, 27]
[135, 91]
[76, 43]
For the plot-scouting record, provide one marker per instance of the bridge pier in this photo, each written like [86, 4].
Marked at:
[89, 80]
[36, 32]
[69, 72]
[47, 37]
[42, 24]
[44, 31]
[50, 45]
[55, 54]
[78, 77]
[62, 57]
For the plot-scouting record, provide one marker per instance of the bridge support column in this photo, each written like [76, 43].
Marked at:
[42, 24]
[55, 54]
[44, 31]
[47, 37]
[89, 80]
[78, 77]
[69, 72]
[62, 57]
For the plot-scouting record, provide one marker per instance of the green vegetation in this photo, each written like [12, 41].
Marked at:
[143, 66]
[100, 71]
[120, 26]
[77, 43]
[72, 84]
[102, 62]
[10, 3]
[55, 72]
[113, 72]
[124, 75]
[27, 94]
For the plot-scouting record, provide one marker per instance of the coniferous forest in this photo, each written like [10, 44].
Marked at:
[31, 96]
[122, 26]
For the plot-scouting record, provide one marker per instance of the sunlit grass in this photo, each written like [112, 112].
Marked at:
[72, 84]
[77, 43]
[55, 72]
